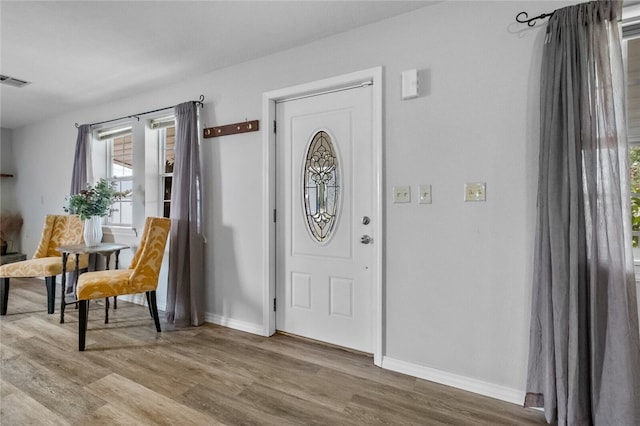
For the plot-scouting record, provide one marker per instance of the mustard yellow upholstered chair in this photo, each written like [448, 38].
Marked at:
[141, 277]
[59, 230]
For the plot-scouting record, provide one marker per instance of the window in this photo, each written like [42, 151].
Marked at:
[166, 143]
[168, 140]
[138, 157]
[632, 42]
[119, 170]
[321, 187]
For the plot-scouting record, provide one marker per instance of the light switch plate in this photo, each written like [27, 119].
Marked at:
[475, 191]
[401, 194]
[425, 194]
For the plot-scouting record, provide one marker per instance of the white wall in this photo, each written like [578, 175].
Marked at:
[7, 184]
[457, 280]
[7, 166]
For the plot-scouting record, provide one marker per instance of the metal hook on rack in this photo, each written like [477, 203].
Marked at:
[531, 21]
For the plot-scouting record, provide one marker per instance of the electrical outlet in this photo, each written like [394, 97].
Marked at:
[401, 194]
[425, 194]
[474, 191]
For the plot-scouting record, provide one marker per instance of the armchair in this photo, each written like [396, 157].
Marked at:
[58, 230]
[141, 277]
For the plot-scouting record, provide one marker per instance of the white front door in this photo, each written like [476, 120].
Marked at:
[325, 190]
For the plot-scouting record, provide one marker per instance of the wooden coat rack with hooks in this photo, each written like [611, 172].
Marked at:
[232, 129]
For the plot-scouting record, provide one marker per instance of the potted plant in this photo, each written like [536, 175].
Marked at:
[92, 204]
[10, 225]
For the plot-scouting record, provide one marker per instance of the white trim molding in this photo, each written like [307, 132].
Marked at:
[234, 324]
[491, 390]
[138, 299]
[119, 234]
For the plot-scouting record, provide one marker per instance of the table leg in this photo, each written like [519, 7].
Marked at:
[65, 256]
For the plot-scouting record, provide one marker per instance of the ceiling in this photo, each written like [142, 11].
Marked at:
[79, 54]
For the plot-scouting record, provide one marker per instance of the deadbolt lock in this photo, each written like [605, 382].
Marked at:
[365, 239]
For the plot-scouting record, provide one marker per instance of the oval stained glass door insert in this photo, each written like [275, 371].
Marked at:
[321, 186]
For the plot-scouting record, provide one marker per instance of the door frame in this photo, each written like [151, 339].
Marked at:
[269, 100]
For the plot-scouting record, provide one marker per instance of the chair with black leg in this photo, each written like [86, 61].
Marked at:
[58, 230]
[141, 277]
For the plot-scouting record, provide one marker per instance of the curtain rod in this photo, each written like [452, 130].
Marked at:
[531, 21]
[137, 116]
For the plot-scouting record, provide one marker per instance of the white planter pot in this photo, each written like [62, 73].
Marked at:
[93, 231]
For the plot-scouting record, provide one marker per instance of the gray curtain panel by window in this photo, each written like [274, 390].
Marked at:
[584, 354]
[79, 179]
[79, 173]
[185, 290]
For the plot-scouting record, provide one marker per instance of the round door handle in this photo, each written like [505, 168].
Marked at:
[365, 239]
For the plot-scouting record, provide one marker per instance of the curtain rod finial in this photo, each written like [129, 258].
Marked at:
[531, 22]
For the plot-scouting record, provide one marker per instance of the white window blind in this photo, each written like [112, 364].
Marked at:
[113, 132]
[163, 122]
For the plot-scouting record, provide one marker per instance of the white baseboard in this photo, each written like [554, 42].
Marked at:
[235, 324]
[138, 299]
[454, 380]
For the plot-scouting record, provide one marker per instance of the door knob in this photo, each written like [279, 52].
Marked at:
[365, 239]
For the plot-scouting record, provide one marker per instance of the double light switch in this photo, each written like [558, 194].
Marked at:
[402, 194]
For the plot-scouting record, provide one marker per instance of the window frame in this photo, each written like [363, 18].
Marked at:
[162, 153]
[631, 31]
[110, 177]
[101, 160]
[161, 125]
[147, 196]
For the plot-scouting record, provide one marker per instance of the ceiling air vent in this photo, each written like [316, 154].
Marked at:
[11, 81]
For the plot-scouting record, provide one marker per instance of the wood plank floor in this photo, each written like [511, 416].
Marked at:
[207, 375]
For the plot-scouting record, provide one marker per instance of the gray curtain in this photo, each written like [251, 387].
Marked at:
[584, 354]
[79, 176]
[185, 290]
[79, 173]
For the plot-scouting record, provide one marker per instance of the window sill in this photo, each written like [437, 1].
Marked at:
[120, 234]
